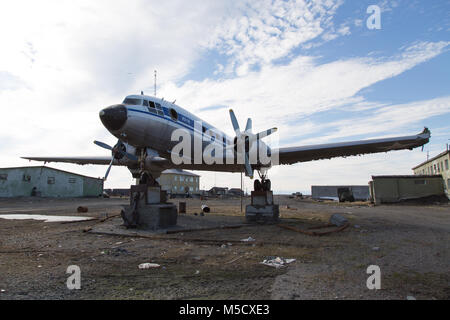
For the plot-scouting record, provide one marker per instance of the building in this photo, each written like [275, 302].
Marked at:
[391, 189]
[176, 181]
[436, 165]
[217, 191]
[360, 193]
[47, 182]
[236, 192]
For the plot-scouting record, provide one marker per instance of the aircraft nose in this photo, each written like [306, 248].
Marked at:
[114, 117]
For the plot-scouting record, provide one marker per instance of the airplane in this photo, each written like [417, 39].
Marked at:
[144, 126]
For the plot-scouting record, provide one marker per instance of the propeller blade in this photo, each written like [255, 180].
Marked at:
[248, 167]
[234, 122]
[248, 127]
[265, 133]
[103, 145]
[109, 169]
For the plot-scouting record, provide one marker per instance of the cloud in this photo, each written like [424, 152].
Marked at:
[66, 60]
[269, 30]
[291, 92]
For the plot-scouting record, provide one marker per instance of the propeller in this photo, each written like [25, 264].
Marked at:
[248, 136]
[116, 151]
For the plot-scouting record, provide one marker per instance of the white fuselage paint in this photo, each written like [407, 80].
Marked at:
[145, 129]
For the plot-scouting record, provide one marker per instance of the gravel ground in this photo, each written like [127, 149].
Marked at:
[410, 244]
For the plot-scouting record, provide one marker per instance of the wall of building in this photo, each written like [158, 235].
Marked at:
[440, 165]
[392, 189]
[359, 192]
[48, 183]
[176, 183]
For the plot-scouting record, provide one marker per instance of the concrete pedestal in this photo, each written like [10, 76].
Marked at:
[262, 208]
[148, 209]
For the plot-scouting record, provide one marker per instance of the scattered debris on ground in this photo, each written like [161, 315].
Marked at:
[148, 265]
[338, 220]
[276, 262]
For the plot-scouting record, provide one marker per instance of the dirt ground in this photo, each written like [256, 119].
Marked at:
[409, 243]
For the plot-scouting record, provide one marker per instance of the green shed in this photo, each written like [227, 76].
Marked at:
[47, 182]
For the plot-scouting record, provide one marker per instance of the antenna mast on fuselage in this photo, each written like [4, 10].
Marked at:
[155, 85]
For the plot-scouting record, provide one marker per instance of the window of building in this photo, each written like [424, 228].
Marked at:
[26, 178]
[191, 189]
[51, 180]
[446, 164]
[3, 176]
[145, 103]
[420, 182]
[174, 188]
[72, 180]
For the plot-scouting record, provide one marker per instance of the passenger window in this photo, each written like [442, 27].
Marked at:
[146, 103]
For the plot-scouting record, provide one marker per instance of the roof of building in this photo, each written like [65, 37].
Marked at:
[219, 188]
[432, 159]
[180, 172]
[412, 176]
[59, 170]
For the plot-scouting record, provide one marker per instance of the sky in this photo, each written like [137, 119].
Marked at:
[314, 69]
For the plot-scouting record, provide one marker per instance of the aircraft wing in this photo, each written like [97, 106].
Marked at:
[97, 160]
[76, 160]
[291, 155]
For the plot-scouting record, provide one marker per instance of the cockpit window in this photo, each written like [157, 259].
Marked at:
[133, 101]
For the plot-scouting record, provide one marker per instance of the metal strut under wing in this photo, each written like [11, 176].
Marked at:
[293, 155]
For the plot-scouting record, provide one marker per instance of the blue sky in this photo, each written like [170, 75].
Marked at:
[311, 68]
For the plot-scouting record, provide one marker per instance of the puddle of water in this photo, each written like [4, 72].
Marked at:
[43, 217]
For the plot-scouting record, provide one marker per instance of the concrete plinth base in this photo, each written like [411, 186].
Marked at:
[265, 213]
[262, 208]
[148, 209]
[151, 217]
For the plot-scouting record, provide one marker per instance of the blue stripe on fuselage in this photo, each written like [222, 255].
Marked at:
[189, 125]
